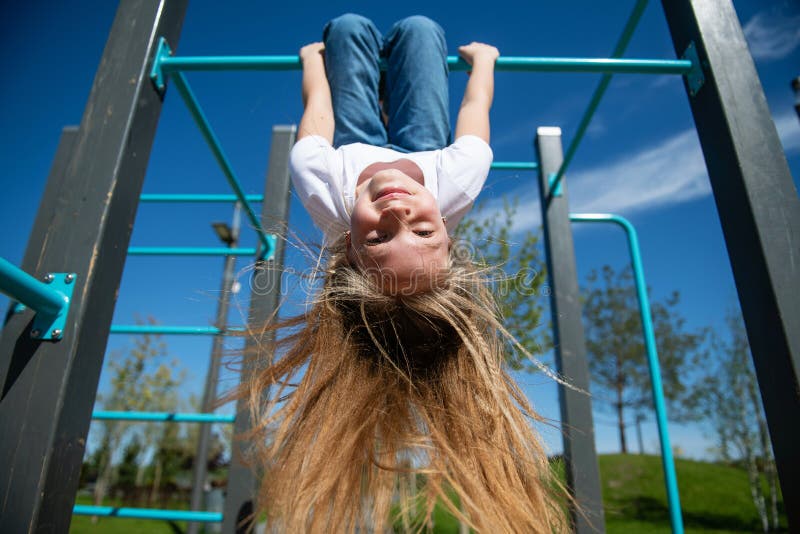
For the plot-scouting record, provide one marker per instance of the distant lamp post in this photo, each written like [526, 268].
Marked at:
[230, 236]
[224, 232]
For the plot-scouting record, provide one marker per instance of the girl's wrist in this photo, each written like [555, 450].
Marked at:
[484, 59]
[310, 58]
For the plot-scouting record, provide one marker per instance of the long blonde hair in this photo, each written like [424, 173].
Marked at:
[368, 391]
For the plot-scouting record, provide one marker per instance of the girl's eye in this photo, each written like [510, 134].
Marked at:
[376, 240]
[424, 233]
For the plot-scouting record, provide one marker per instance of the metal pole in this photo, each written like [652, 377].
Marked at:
[212, 376]
[648, 331]
[190, 251]
[577, 425]
[174, 64]
[166, 330]
[265, 299]
[759, 213]
[594, 103]
[83, 226]
[26, 289]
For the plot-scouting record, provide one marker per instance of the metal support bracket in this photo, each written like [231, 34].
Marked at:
[48, 327]
[695, 77]
[550, 181]
[157, 75]
[270, 253]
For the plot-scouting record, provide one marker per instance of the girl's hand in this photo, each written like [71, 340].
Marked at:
[311, 50]
[478, 52]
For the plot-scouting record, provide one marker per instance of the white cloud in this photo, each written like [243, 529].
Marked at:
[665, 174]
[788, 126]
[772, 35]
[597, 127]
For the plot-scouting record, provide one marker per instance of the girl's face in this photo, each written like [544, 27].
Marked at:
[397, 235]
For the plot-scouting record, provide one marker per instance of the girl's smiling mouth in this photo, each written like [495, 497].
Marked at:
[391, 192]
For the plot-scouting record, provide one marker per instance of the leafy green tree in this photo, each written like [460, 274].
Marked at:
[141, 380]
[729, 399]
[615, 347]
[91, 466]
[488, 239]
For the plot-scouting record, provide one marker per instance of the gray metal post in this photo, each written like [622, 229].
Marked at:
[264, 302]
[577, 426]
[200, 468]
[48, 388]
[759, 211]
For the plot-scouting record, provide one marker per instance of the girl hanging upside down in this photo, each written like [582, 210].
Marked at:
[395, 372]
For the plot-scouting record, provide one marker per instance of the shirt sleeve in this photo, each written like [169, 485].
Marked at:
[316, 170]
[462, 170]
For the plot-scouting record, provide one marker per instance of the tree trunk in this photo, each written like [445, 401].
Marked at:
[621, 427]
[103, 482]
[772, 480]
[755, 488]
[620, 385]
[156, 482]
[639, 419]
[766, 452]
[746, 440]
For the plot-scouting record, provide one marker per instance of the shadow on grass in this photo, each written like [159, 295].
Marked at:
[655, 511]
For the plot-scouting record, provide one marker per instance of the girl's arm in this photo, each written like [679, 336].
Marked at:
[473, 117]
[318, 107]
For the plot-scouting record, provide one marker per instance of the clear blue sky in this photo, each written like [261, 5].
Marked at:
[640, 158]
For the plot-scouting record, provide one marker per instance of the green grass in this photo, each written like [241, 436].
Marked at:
[715, 499]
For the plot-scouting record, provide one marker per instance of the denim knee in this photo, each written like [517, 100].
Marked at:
[347, 24]
[419, 25]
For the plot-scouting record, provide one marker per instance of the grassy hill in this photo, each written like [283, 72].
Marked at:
[715, 498]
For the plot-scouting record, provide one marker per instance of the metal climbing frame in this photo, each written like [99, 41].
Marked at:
[83, 229]
[667, 462]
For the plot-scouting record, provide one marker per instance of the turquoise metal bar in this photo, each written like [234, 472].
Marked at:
[147, 513]
[619, 50]
[26, 289]
[199, 198]
[190, 251]
[172, 65]
[163, 417]
[213, 142]
[173, 330]
[667, 461]
[515, 166]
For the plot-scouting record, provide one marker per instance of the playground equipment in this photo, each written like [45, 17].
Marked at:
[49, 385]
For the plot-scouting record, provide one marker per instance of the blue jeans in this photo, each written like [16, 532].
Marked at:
[413, 89]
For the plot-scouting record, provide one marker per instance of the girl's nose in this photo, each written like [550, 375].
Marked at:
[395, 212]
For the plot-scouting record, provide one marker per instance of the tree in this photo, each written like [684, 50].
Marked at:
[140, 381]
[127, 468]
[730, 400]
[615, 347]
[174, 455]
[487, 238]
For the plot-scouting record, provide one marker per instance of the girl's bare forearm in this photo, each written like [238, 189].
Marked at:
[480, 87]
[318, 116]
[473, 117]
